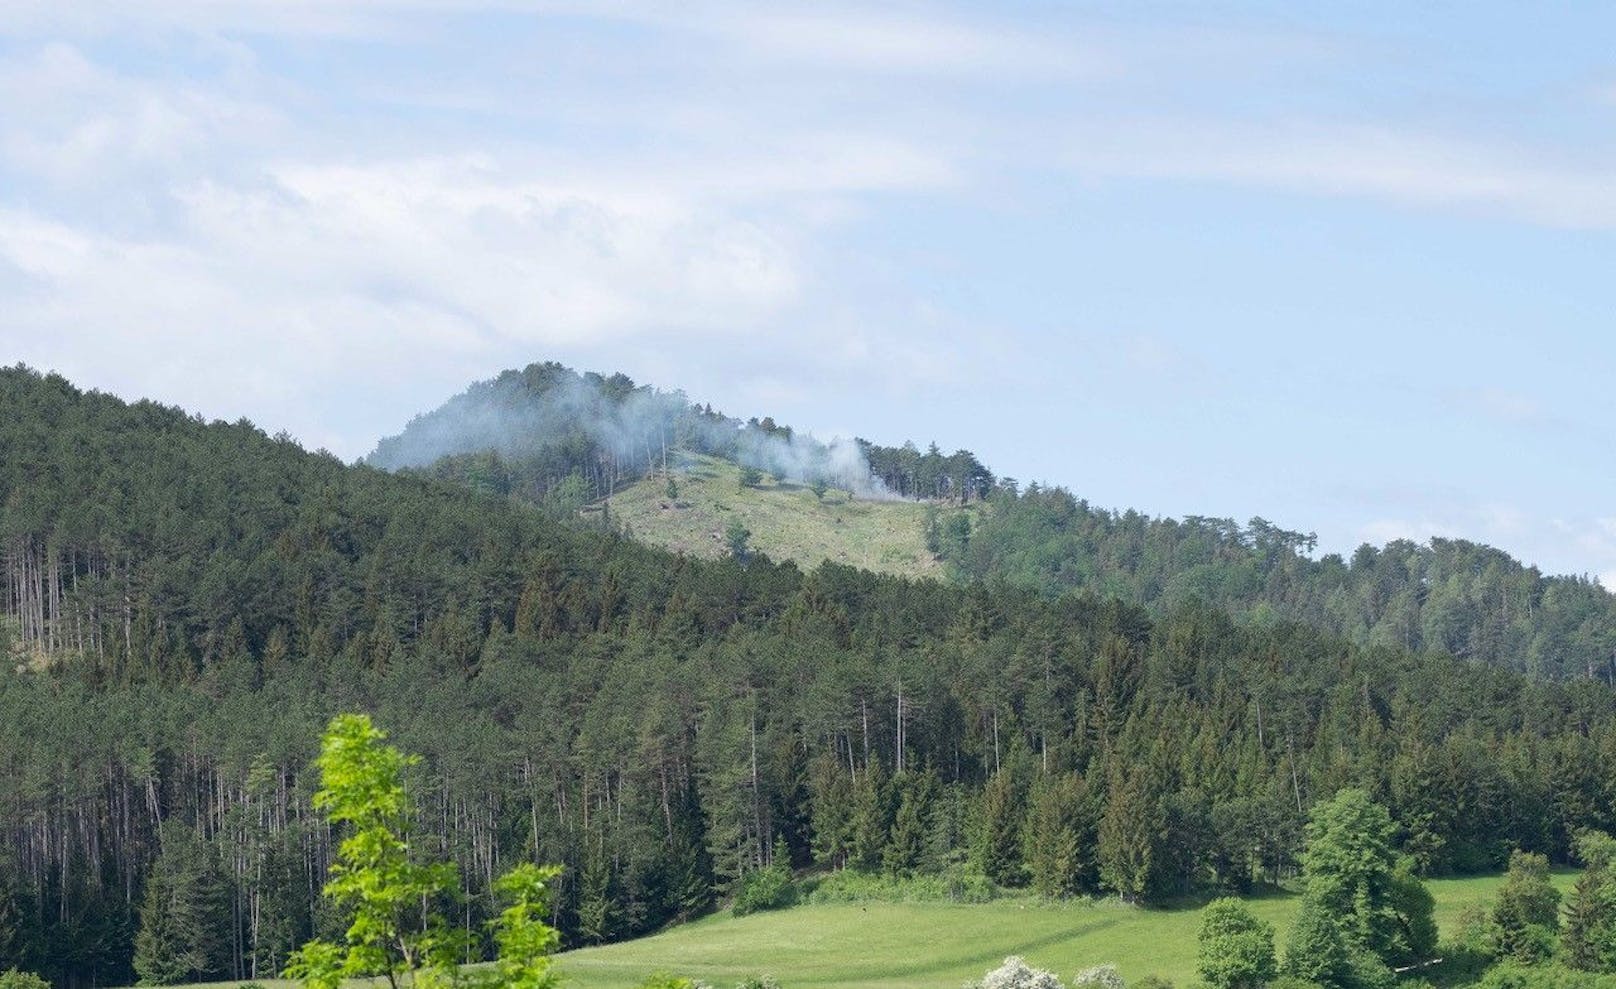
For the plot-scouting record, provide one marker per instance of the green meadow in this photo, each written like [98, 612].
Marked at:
[916, 945]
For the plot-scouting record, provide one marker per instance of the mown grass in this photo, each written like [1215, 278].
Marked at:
[786, 520]
[937, 945]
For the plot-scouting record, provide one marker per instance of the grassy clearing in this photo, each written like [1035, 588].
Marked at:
[787, 521]
[936, 945]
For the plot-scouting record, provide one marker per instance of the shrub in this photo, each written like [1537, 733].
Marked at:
[15, 979]
[765, 889]
[758, 982]
[958, 884]
[1098, 977]
[1236, 950]
[660, 981]
[1016, 974]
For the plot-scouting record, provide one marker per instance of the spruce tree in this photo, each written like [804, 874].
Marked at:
[998, 842]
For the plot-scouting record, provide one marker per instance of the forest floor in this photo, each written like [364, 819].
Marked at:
[940, 945]
[787, 521]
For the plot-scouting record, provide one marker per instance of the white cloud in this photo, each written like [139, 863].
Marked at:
[1387, 163]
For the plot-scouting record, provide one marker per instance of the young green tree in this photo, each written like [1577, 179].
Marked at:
[1316, 951]
[1526, 918]
[1234, 948]
[395, 930]
[525, 941]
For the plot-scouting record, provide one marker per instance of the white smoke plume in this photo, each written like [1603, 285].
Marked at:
[548, 412]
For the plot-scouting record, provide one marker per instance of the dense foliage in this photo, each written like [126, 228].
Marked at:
[1450, 596]
[189, 603]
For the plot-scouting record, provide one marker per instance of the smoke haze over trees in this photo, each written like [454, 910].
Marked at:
[554, 436]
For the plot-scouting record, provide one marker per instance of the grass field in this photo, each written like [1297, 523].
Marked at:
[786, 520]
[937, 945]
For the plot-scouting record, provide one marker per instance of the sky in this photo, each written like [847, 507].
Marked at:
[1344, 266]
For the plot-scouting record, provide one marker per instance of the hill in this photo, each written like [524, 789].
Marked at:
[550, 437]
[785, 520]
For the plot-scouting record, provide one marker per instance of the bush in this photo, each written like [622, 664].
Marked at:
[16, 979]
[661, 981]
[1098, 977]
[956, 885]
[758, 982]
[1016, 974]
[1513, 975]
[765, 889]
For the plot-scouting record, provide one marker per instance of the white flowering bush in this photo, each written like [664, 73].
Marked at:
[1016, 974]
[1098, 977]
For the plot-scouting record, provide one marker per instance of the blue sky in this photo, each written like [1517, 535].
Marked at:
[1344, 266]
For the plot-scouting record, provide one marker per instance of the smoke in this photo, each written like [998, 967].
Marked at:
[612, 430]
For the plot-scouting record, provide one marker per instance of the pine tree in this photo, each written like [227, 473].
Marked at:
[999, 839]
[872, 819]
[1526, 917]
[1055, 851]
[1127, 842]
[906, 848]
[182, 915]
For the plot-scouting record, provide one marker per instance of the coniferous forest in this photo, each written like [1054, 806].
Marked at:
[188, 603]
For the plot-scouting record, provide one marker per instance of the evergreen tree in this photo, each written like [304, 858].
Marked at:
[183, 920]
[872, 819]
[1056, 849]
[1526, 917]
[906, 847]
[998, 844]
[1590, 922]
[1129, 831]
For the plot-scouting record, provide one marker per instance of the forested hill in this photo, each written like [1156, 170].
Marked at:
[187, 603]
[1448, 595]
[550, 436]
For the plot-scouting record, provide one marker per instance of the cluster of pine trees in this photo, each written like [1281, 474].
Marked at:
[190, 602]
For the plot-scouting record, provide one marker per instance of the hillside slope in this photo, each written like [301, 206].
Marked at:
[787, 521]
